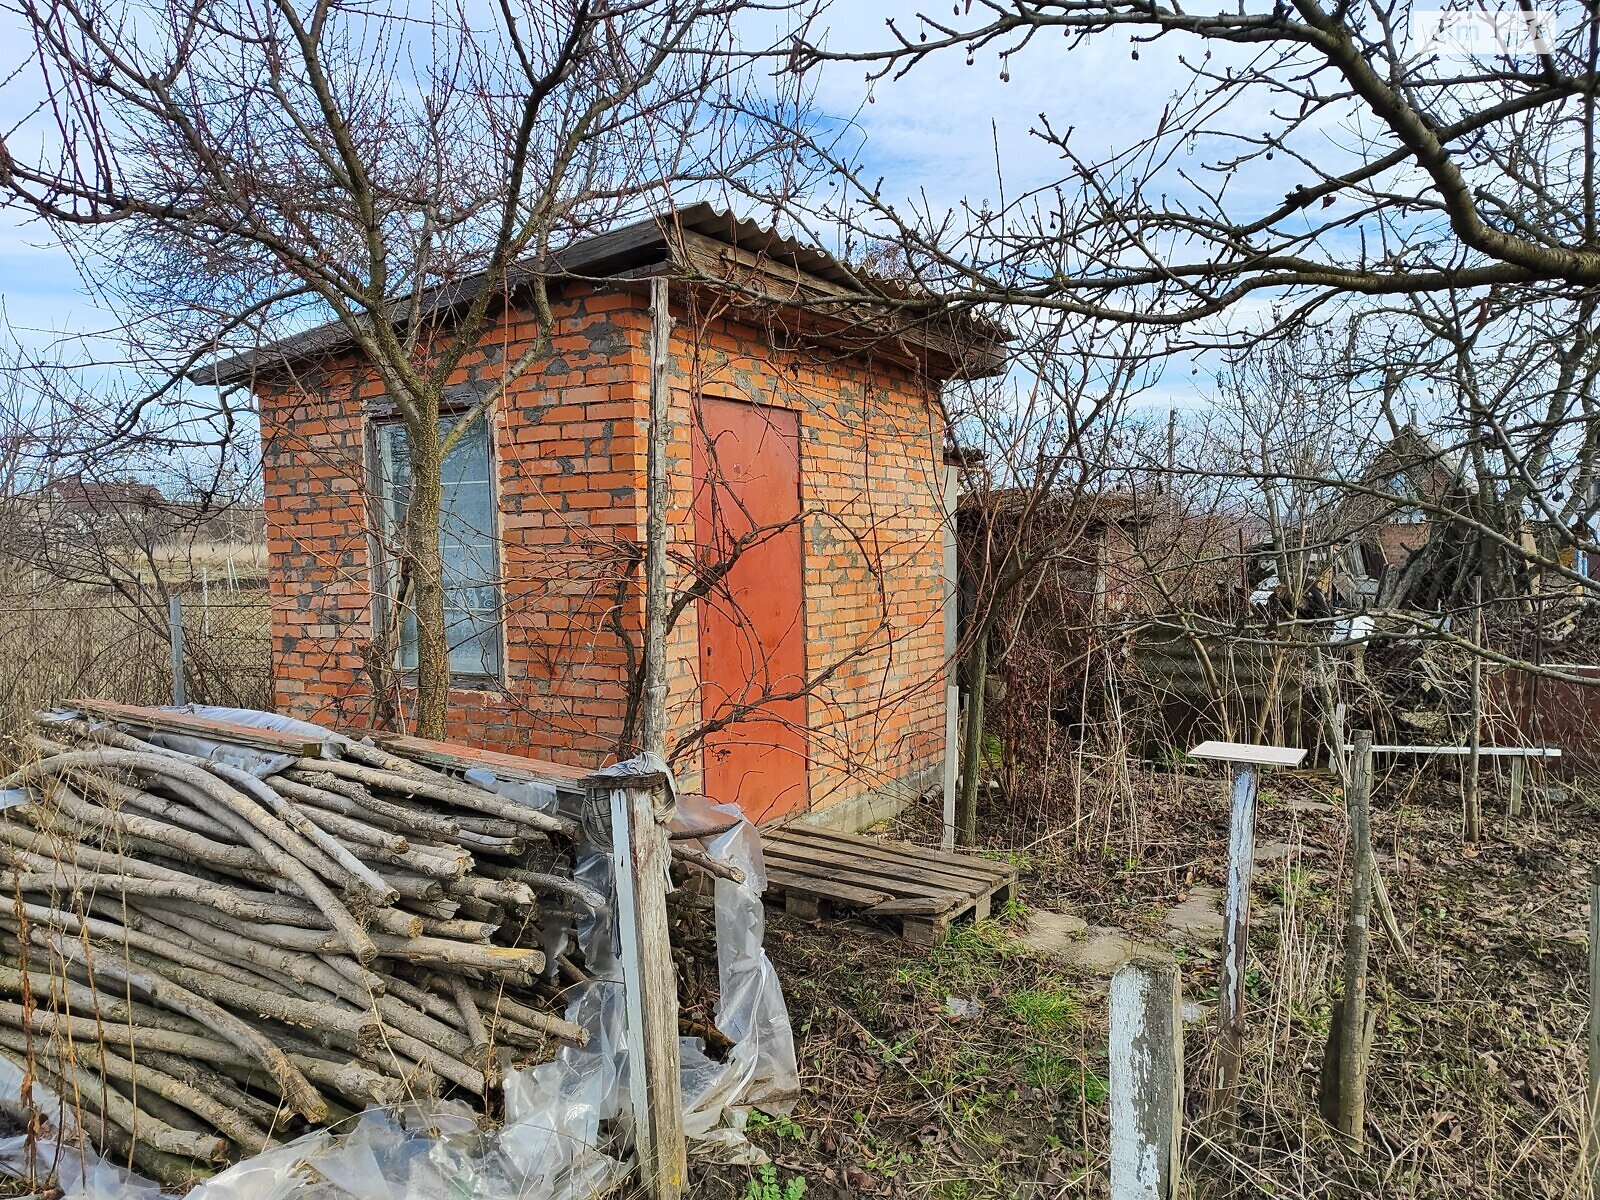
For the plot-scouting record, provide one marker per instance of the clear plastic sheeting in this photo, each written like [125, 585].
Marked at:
[760, 1069]
[590, 1084]
[259, 763]
[554, 1143]
[59, 1151]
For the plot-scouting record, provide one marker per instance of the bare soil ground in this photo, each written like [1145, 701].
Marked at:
[979, 1070]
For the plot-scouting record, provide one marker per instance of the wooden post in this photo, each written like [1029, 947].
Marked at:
[1236, 936]
[180, 693]
[952, 646]
[1594, 1033]
[1337, 757]
[639, 842]
[1472, 820]
[1519, 779]
[1146, 1081]
[972, 734]
[653, 733]
[650, 985]
[1344, 1065]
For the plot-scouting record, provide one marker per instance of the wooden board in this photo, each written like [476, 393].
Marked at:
[177, 721]
[914, 890]
[869, 872]
[1483, 751]
[1246, 752]
[467, 758]
[966, 866]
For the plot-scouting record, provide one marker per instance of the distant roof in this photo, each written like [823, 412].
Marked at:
[1085, 509]
[755, 259]
[76, 491]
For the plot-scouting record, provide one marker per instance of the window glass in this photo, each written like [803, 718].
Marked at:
[466, 544]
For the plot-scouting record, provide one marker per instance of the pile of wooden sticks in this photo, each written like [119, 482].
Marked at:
[203, 960]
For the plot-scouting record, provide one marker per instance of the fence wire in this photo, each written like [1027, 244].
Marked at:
[53, 649]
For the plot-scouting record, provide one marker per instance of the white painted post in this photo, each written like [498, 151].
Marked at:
[180, 693]
[1146, 1081]
[1243, 760]
[641, 859]
[1236, 937]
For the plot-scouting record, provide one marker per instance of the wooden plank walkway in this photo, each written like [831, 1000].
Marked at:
[915, 890]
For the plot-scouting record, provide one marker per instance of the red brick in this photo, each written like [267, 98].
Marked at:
[871, 460]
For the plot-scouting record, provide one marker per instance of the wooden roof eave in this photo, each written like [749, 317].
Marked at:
[860, 322]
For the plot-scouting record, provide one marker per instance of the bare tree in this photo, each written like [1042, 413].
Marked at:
[1438, 220]
[1050, 458]
[1452, 168]
[237, 178]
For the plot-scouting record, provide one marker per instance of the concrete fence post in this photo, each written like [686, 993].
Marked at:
[1146, 1081]
[180, 693]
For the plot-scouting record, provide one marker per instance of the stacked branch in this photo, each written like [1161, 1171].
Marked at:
[203, 962]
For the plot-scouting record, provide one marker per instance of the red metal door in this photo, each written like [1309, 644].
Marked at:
[752, 623]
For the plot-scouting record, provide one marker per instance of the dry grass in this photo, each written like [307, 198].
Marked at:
[1477, 1078]
[220, 563]
[53, 647]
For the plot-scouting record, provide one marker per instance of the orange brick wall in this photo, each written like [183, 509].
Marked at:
[568, 443]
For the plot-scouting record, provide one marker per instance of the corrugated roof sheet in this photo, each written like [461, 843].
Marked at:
[640, 244]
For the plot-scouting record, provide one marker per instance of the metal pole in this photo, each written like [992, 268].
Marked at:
[180, 694]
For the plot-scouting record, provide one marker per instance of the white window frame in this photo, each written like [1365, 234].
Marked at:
[488, 664]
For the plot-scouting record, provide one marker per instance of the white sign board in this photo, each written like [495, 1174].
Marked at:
[1245, 752]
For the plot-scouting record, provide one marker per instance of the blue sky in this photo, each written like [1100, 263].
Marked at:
[934, 131]
[942, 134]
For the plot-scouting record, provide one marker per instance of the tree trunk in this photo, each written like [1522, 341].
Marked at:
[427, 578]
[972, 736]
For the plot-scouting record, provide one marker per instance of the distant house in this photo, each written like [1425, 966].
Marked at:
[114, 510]
[1381, 528]
[808, 496]
[76, 493]
[1363, 550]
[1089, 543]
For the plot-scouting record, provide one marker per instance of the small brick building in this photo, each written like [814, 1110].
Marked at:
[806, 456]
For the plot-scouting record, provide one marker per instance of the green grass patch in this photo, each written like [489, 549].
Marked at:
[1044, 1009]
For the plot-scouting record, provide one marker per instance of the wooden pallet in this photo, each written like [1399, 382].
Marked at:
[915, 890]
